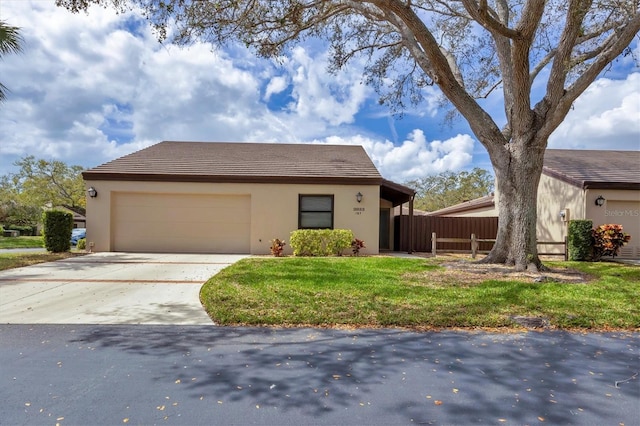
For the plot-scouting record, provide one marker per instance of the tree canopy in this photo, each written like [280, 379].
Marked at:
[467, 48]
[446, 189]
[37, 185]
[10, 42]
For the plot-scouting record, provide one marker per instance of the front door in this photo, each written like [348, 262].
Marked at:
[385, 220]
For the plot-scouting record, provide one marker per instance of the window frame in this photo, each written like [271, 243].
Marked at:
[300, 211]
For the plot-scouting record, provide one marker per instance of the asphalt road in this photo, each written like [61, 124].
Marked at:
[206, 375]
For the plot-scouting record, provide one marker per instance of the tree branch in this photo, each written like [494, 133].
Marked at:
[623, 37]
[483, 15]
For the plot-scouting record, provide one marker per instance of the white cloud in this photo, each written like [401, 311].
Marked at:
[334, 98]
[606, 116]
[415, 157]
[276, 85]
[92, 87]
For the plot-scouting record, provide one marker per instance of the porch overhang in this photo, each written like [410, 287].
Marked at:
[399, 194]
[396, 193]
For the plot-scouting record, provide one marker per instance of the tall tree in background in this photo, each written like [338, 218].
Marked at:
[40, 184]
[467, 48]
[10, 42]
[447, 188]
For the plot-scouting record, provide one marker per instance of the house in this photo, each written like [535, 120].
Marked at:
[215, 197]
[602, 186]
[479, 207]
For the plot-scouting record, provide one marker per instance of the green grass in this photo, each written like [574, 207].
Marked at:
[21, 242]
[394, 292]
[18, 260]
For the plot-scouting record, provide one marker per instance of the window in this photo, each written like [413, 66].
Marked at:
[315, 211]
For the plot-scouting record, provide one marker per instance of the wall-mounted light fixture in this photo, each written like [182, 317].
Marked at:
[564, 215]
[600, 201]
[359, 197]
[92, 192]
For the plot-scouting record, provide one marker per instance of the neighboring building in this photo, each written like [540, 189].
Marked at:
[603, 186]
[479, 207]
[236, 197]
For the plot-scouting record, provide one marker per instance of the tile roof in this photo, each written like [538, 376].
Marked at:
[242, 162]
[477, 203]
[590, 169]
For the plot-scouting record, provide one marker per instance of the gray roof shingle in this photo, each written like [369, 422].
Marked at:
[592, 169]
[242, 162]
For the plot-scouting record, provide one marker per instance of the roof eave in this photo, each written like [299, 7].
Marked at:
[612, 185]
[148, 177]
[584, 184]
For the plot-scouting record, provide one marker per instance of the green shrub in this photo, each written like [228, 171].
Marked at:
[82, 244]
[25, 230]
[57, 230]
[607, 240]
[320, 242]
[579, 239]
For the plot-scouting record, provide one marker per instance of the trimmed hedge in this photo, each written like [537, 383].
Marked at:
[579, 239]
[57, 230]
[320, 242]
[25, 230]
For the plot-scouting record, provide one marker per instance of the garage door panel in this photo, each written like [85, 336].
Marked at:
[627, 214]
[181, 223]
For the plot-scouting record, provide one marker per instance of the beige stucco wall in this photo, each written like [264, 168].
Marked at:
[555, 196]
[274, 209]
[621, 207]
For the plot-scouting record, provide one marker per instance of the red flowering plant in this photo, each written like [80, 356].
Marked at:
[607, 240]
[356, 245]
[277, 246]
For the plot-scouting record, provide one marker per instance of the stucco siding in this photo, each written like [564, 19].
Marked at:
[273, 209]
[621, 207]
[554, 197]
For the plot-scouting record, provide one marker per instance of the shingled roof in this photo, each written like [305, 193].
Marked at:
[242, 162]
[591, 169]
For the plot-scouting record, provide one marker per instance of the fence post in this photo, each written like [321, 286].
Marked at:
[474, 246]
[566, 248]
[433, 244]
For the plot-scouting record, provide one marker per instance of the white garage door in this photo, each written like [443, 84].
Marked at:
[627, 214]
[180, 223]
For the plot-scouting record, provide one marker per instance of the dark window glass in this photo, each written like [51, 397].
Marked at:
[315, 212]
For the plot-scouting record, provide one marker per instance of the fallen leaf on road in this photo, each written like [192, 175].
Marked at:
[437, 402]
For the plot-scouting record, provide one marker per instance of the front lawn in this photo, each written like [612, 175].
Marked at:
[18, 260]
[417, 293]
[21, 242]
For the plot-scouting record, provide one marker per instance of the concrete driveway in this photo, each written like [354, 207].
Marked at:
[111, 288]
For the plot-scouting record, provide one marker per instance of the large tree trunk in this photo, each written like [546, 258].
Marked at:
[517, 177]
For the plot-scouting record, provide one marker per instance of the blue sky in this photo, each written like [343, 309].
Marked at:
[91, 88]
